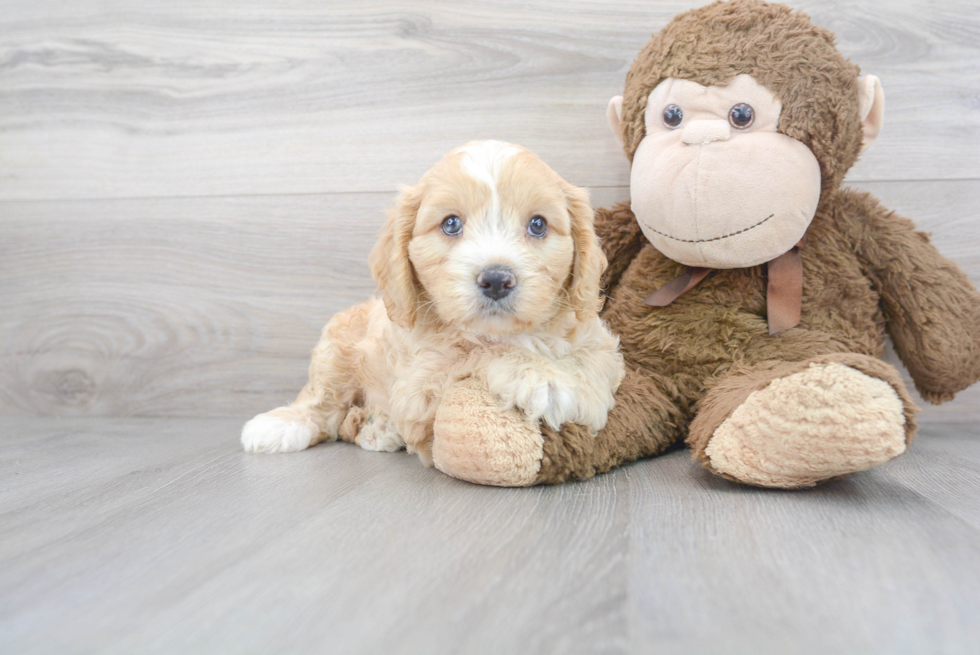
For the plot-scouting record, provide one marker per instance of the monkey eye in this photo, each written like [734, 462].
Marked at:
[673, 116]
[741, 116]
[537, 226]
[451, 225]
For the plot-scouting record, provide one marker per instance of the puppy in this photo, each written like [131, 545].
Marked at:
[489, 268]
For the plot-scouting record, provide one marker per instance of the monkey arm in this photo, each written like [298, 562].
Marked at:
[621, 239]
[475, 439]
[931, 308]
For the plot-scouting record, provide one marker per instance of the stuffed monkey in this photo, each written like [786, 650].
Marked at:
[751, 293]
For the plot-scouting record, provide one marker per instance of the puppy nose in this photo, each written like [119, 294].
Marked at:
[496, 281]
[705, 131]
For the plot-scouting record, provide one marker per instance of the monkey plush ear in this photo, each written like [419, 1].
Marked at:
[614, 114]
[871, 105]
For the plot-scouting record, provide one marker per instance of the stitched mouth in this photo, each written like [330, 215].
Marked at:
[724, 236]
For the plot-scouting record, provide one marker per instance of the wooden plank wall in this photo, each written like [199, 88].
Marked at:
[189, 190]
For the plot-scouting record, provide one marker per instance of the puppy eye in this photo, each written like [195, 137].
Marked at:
[537, 226]
[741, 116]
[673, 116]
[451, 225]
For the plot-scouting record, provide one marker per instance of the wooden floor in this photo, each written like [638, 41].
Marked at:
[160, 536]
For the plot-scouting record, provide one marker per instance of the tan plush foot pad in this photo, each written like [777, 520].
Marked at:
[823, 422]
[475, 440]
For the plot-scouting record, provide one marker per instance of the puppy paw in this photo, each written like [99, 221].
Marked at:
[537, 397]
[267, 433]
[379, 435]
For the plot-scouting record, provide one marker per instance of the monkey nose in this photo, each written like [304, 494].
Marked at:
[702, 131]
[496, 281]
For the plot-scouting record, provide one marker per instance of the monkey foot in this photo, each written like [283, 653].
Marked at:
[822, 422]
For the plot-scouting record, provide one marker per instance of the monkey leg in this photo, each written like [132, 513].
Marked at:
[796, 424]
[475, 440]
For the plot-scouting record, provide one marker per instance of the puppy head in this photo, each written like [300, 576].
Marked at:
[492, 241]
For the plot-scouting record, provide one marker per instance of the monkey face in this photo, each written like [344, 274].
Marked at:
[713, 183]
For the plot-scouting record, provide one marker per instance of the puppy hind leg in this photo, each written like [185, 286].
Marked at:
[378, 433]
[321, 407]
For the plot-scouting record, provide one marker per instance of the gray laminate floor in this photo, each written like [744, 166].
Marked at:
[159, 535]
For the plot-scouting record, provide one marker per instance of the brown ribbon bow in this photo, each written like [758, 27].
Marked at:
[784, 295]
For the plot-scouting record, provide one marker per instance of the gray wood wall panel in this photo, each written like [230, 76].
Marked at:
[164, 99]
[180, 306]
[210, 306]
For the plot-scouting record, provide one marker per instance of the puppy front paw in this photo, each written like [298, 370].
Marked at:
[268, 433]
[537, 397]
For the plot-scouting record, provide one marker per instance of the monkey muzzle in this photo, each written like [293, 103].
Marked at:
[715, 199]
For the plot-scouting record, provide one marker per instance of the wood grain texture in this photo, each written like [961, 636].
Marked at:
[881, 562]
[211, 306]
[189, 190]
[106, 305]
[179, 99]
[179, 542]
[160, 536]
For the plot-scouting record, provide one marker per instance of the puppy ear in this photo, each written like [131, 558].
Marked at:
[589, 262]
[390, 266]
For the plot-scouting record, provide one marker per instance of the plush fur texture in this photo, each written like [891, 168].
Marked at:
[779, 48]
[798, 424]
[534, 342]
[501, 449]
[814, 402]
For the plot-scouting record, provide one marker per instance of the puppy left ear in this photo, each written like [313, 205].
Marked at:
[390, 265]
[589, 262]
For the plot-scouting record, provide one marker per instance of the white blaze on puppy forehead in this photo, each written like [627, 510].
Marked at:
[484, 161]
[485, 158]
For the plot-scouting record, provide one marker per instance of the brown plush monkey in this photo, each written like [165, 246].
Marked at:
[751, 293]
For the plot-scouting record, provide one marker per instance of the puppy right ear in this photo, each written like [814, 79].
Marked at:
[390, 265]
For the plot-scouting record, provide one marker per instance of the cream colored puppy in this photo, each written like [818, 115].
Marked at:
[489, 268]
